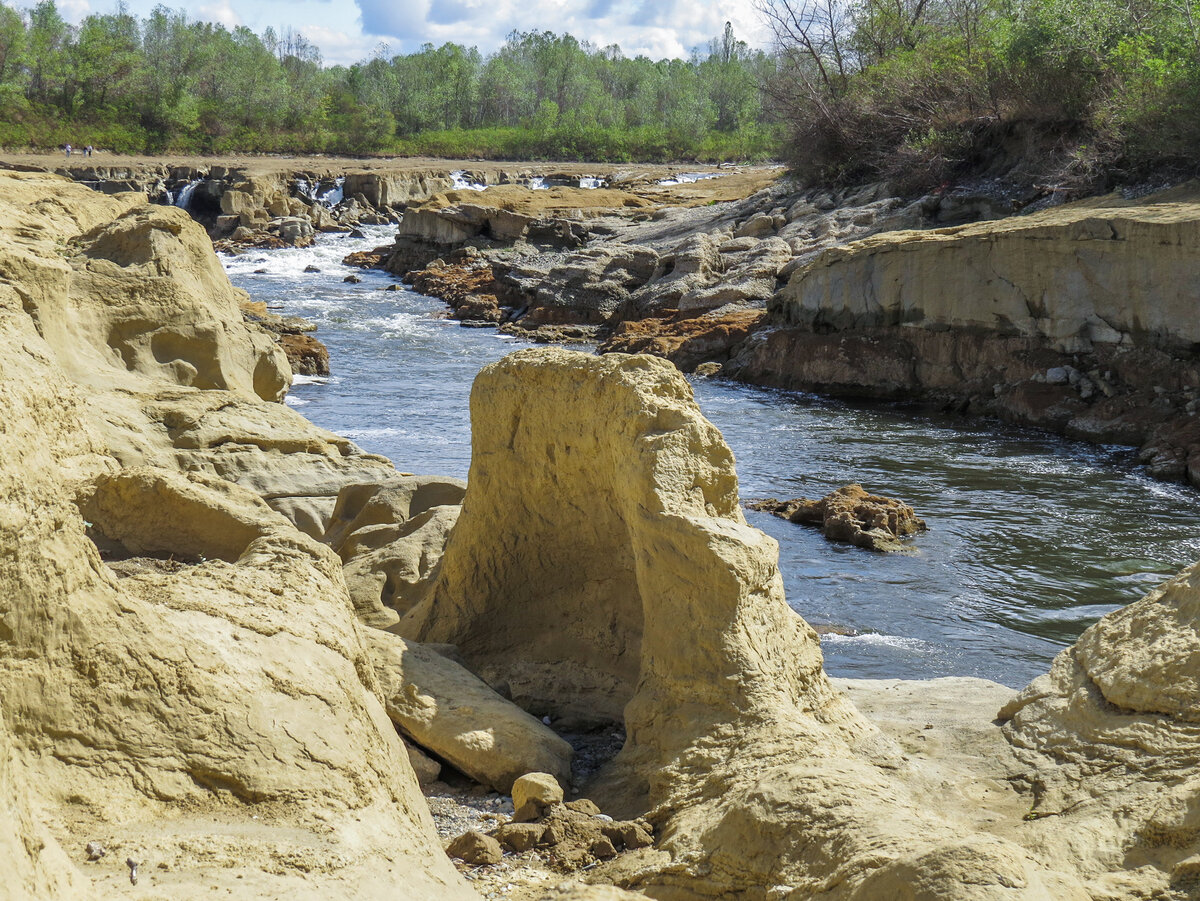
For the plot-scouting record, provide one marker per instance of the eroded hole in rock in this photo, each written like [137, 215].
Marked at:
[125, 562]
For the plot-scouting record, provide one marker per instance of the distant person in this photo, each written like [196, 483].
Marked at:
[67, 147]
[87, 151]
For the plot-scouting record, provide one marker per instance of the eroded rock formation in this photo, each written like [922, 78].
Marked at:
[205, 704]
[852, 515]
[601, 533]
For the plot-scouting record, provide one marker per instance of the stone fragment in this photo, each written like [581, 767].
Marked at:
[519, 837]
[854, 516]
[476, 847]
[426, 768]
[533, 793]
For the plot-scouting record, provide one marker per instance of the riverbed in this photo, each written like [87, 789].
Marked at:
[1032, 537]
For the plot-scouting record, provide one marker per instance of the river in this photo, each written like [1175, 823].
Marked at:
[1032, 537]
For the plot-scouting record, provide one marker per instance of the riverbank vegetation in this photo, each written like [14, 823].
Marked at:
[166, 83]
[1080, 92]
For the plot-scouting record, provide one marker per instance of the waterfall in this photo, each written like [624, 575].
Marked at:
[184, 200]
[538, 183]
[591, 182]
[334, 195]
[459, 182]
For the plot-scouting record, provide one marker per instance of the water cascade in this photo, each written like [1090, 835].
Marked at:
[184, 200]
[460, 183]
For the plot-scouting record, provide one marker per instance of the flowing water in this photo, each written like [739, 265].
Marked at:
[1031, 537]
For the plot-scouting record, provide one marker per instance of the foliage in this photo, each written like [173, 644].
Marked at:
[922, 89]
[166, 83]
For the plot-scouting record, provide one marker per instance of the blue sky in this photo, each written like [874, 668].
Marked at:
[350, 31]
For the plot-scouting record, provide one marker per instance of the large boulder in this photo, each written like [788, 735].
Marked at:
[602, 534]
[444, 708]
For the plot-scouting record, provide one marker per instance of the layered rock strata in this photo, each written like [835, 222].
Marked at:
[1078, 319]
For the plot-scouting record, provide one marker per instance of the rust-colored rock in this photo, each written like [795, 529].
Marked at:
[307, 355]
[687, 341]
[468, 287]
[852, 515]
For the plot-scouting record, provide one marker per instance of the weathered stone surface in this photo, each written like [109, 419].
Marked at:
[852, 515]
[306, 355]
[390, 568]
[391, 502]
[687, 341]
[213, 707]
[1074, 275]
[533, 793]
[734, 732]
[425, 767]
[451, 712]
[519, 837]
[476, 847]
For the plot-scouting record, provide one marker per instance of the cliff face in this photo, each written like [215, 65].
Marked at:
[1080, 319]
[183, 678]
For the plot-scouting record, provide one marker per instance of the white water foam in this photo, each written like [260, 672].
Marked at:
[334, 195]
[687, 178]
[184, 200]
[459, 182]
[591, 183]
[876, 639]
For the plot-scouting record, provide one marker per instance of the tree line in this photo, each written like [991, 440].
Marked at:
[167, 83]
[1083, 93]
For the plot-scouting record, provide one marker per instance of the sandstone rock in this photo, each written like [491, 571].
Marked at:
[391, 502]
[145, 322]
[306, 354]
[854, 516]
[755, 227]
[425, 767]
[298, 727]
[169, 311]
[390, 568]
[734, 732]
[586, 286]
[1047, 255]
[451, 712]
[476, 847]
[519, 837]
[688, 341]
[533, 793]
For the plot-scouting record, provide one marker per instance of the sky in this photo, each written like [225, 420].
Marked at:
[348, 32]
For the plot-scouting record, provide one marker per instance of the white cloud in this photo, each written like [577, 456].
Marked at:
[74, 10]
[221, 13]
[348, 33]
[338, 48]
[656, 28]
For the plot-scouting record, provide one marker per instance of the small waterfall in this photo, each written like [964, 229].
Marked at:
[591, 183]
[184, 200]
[459, 182]
[688, 178]
[538, 183]
[334, 195]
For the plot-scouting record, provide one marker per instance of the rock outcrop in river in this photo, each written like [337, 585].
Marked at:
[1079, 319]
